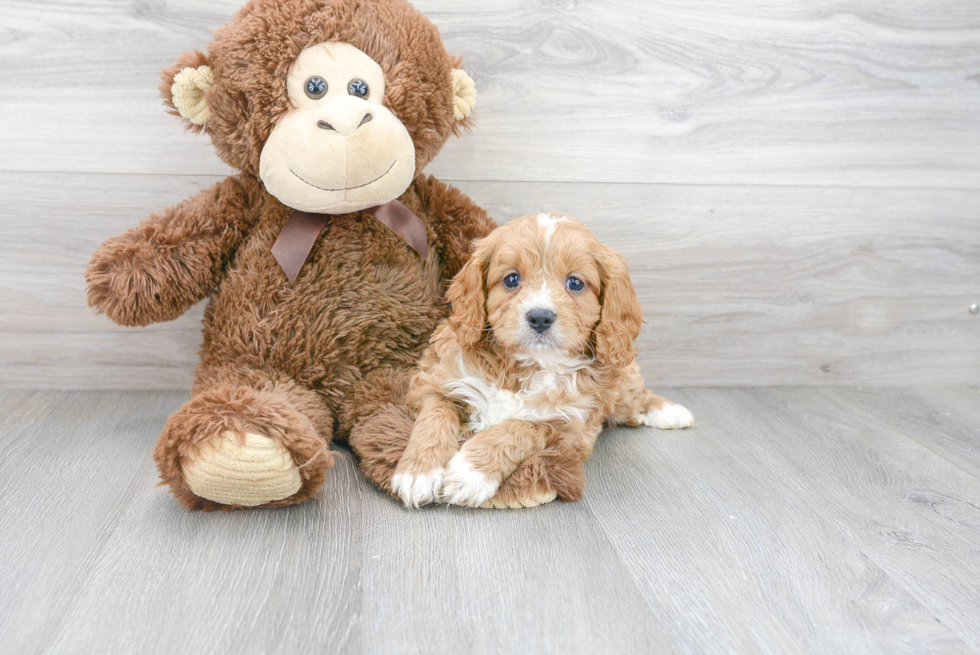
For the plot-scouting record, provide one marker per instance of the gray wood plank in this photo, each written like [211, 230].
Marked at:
[806, 510]
[351, 572]
[836, 92]
[70, 465]
[539, 581]
[753, 285]
[735, 558]
[924, 527]
[787, 520]
[170, 581]
[790, 285]
[945, 420]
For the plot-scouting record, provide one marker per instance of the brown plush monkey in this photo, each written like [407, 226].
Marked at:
[326, 258]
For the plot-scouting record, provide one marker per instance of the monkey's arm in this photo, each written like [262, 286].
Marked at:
[157, 270]
[456, 219]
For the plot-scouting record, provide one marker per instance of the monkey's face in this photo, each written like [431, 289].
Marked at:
[338, 149]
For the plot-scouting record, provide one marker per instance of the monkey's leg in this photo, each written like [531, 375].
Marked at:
[246, 438]
[378, 424]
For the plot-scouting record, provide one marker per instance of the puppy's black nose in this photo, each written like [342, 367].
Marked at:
[540, 319]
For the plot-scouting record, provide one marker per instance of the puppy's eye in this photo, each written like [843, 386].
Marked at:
[512, 280]
[316, 87]
[357, 88]
[574, 284]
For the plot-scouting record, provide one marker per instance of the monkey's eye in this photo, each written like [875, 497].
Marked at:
[512, 280]
[357, 88]
[574, 284]
[316, 87]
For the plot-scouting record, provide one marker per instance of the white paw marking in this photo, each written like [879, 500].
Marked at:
[464, 485]
[668, 417]
[416, 490]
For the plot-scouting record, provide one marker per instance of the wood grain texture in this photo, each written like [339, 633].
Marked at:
[793, 520]
[794, 183]
[70, 467]
[832, 92]
[945, 420]
[803, 506]
[740, 285]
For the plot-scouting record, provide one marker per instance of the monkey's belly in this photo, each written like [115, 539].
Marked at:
[355, 307]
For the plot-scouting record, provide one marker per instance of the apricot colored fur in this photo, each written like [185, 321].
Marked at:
[486, 347]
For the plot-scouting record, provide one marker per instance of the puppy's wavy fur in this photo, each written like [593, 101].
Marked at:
[493, 393]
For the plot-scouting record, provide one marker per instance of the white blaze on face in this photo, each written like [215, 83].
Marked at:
[549, 222]
[540, 298]
[338, 152]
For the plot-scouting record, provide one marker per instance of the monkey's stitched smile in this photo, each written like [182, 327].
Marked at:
[348, 188]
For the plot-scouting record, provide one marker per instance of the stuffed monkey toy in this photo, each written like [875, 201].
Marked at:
[326, 258]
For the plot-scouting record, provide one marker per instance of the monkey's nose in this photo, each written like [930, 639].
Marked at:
[540, 320]
[343, 125]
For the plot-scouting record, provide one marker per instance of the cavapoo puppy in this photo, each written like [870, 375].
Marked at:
[537, 355]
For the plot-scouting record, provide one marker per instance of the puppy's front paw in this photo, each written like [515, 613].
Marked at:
[464, 485]
[669, 417]
[416, 490]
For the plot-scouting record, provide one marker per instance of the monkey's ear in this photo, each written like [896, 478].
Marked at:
[184, 89]
[464, 95]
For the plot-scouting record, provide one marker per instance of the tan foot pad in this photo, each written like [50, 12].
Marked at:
[254, 472]
[518, 503]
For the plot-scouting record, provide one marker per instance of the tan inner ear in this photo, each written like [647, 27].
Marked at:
[188, 91]
[464, 94]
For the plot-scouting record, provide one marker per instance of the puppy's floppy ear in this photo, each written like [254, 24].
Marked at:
[621, 314]
[184, 89]
[468, 295]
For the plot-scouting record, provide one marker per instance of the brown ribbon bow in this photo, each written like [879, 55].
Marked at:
[296, 240]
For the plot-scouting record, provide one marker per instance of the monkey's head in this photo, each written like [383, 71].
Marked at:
[335, 104]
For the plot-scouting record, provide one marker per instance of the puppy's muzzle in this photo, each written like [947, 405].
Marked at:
[540, 320]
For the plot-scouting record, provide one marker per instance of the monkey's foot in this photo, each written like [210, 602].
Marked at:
[246, 470]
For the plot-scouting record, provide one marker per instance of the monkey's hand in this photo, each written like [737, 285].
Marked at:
[135, 282]
[174, 259]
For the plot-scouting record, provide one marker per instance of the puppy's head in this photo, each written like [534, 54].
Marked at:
[542, 286]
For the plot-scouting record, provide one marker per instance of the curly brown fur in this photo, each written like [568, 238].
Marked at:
[156, 271]
[526, 403]
[251, 56]
[557, 469]
[381, 423]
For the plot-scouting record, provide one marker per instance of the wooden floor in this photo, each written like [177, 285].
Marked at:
[794, 185]
[789, 520]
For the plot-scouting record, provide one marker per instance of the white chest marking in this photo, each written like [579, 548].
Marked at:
[490, 405]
